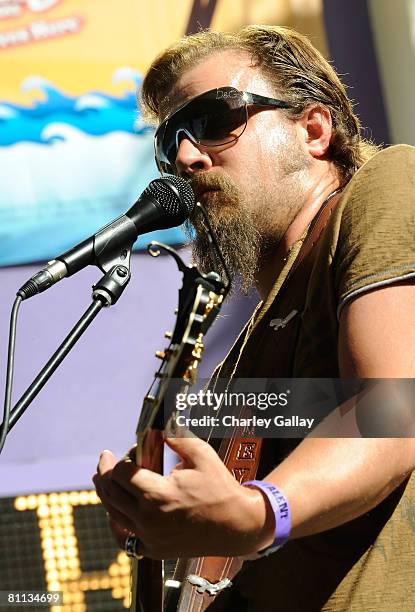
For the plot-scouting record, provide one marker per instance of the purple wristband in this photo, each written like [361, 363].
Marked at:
[281, 509]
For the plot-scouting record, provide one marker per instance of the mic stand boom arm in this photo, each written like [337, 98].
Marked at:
[105, 293]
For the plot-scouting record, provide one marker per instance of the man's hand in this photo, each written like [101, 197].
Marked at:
[197, 510]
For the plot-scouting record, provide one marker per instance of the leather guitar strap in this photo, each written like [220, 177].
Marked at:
[241, 455]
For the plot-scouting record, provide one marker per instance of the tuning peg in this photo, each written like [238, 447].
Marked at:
[160, 354]
[198, 349]
[168, 334]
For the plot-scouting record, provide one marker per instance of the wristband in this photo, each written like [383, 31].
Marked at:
[282, 514]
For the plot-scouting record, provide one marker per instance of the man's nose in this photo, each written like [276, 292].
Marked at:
[190, 158]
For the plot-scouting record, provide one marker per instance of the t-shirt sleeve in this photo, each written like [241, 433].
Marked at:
[376, 241]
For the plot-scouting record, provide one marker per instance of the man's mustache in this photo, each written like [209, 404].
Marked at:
[202, 185]
[202, 182]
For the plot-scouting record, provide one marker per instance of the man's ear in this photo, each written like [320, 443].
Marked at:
[316, 129]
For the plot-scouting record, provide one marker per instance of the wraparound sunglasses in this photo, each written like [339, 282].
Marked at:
[212, 119]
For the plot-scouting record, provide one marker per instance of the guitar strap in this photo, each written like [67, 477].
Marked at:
[241, 455]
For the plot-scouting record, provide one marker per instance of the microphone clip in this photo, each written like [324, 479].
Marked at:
[111, 286]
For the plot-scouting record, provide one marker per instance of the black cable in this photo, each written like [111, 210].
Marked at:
[217, 253]
[9, 372]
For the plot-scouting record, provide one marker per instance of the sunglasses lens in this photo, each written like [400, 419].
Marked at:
[219, 126]
[208, 120]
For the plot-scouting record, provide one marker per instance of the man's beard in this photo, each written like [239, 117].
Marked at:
[235, 229]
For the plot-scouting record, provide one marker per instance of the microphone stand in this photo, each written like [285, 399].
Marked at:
[106, 292]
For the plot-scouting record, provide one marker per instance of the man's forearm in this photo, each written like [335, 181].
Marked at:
[330, 481]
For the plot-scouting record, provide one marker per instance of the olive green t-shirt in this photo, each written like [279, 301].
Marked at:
[369, 242]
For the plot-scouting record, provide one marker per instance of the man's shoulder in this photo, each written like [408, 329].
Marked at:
[392, 153]
[378, 202]
[386, 180]
[370, 239]
[385, 163]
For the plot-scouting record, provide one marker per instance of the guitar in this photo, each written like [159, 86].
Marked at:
[200, 299]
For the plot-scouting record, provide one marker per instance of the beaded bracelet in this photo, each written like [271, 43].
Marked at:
[282, 514]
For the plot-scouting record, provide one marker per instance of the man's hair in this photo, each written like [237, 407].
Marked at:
[296, 70]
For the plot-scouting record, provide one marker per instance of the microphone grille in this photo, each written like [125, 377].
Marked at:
[174, 195]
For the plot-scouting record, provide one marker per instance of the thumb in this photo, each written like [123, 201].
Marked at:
[193, 451]
[106, 462]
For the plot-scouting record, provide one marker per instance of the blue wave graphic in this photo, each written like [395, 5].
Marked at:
[95, 113]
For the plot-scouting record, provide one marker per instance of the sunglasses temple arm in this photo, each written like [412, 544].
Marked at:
[214, 243]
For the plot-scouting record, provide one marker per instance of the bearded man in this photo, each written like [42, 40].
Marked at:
[262, 128]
